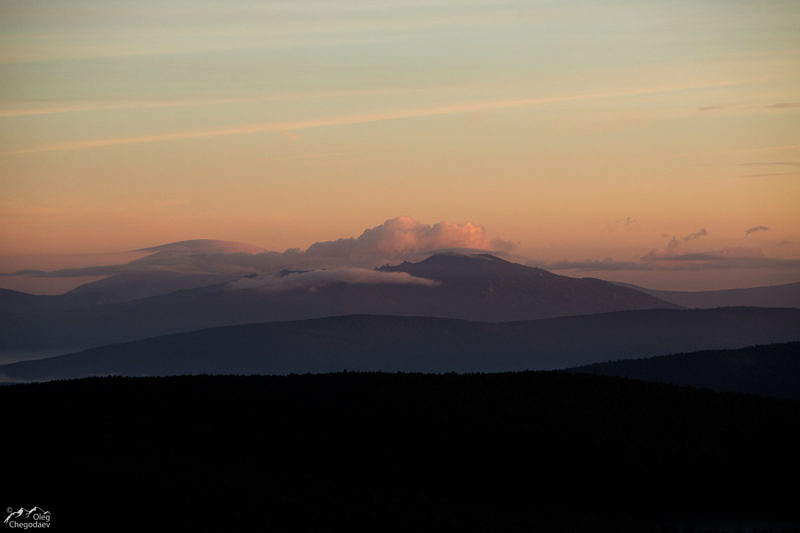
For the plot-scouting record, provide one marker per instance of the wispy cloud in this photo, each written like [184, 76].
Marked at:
[770, 164]
[737, 263]
[77, 108]
[784, 105]
[60, 108]
[670, 250]
[674, 251]
[756, 149]
[696, 235]
[755, 229]
[627, 221]
[343, 120]
[726, 254]
[672, 259]
[770, 174]
[756, 164]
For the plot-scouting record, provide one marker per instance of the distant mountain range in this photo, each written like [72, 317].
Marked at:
[771, 370]
[476, 287]
[485, 287]
[787, 295]
[423, 344]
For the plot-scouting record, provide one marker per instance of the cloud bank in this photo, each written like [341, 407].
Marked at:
[673, 251]
[396, 239]
[674, 257]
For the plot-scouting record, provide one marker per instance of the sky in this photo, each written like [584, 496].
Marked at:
[649, 141]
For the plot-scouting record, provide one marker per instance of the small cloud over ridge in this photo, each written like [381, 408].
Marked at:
[754, 229]
[314, 279]
[696, 235]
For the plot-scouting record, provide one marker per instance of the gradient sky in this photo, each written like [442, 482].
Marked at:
[581, 130]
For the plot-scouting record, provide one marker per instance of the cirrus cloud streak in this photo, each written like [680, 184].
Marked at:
[364, 118]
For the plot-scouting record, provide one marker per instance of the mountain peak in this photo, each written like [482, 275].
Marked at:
[460, 264]
[460, 256]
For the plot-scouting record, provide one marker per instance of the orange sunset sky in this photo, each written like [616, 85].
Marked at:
[591, 135]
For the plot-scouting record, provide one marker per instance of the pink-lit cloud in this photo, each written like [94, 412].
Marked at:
[403, 236]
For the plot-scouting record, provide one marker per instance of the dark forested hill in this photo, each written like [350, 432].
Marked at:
[381, 452]
[422, 344]
[771, 370]
[786, 295]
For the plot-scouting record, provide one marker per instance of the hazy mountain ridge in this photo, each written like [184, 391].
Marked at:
[423, 344]
[785, 295]
[497, 279]
[469, 287]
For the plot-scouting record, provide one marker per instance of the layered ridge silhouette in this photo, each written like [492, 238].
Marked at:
[478, 287]
[422, 344]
